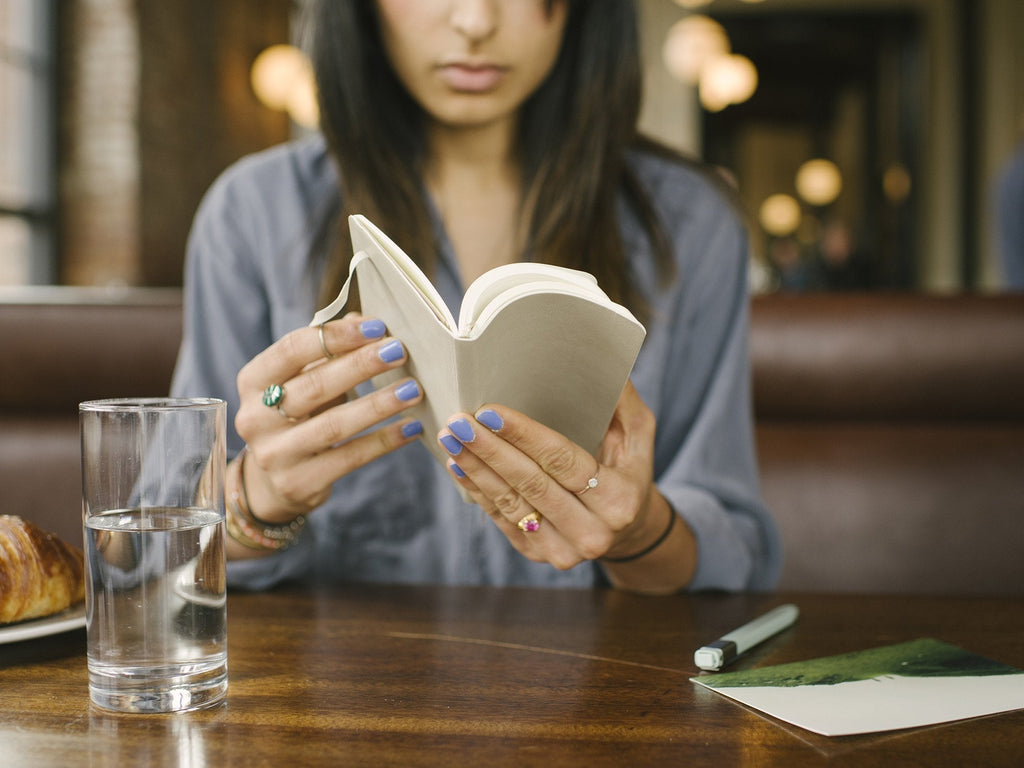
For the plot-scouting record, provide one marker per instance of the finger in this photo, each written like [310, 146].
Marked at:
[316, 387]
[298, 349]
[347, 333]
[488, 489]
[512, 482]
[590, 515]
[464, 480]
[342, 423]
[545, 537]
[496, 494]
[305, 484]
[329, 381]
[543, 544]
[560, 460]
[503, 505]
[365, 448]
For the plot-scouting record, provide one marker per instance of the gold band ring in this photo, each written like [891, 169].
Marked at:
[529, 523]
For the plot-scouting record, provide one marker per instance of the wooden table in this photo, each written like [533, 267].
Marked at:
[483, 677]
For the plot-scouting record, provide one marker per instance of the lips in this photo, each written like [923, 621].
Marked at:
[471, 78]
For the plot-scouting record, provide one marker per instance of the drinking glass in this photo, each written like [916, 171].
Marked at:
[153, 510]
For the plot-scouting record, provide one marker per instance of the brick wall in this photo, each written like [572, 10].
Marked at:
[98, 155]
[154, 103]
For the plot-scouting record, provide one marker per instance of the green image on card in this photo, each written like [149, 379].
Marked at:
[917, 658]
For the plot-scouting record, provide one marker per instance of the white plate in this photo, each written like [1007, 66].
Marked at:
[66, 620]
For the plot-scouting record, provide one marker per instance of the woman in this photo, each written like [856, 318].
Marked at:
[476, 133]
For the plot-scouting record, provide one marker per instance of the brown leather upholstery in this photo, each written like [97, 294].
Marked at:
[930, 508]
[890, 428]
[57, 348]
[891, 357]
[891, 439]
[57, 353]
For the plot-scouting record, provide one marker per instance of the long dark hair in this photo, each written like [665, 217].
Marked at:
[574, 132]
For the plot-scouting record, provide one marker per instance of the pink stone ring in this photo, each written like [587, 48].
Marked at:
[530, 523]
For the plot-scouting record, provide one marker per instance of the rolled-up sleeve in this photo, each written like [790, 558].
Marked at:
[706, 465]
[227, 322]
[225, 315]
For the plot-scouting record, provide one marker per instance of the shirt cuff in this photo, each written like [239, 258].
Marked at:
[724, 559]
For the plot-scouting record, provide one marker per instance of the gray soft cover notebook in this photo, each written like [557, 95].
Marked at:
[542, 339]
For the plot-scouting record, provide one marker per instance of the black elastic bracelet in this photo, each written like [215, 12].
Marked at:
[647, 550]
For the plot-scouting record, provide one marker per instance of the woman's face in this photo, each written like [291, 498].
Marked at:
[470, 63]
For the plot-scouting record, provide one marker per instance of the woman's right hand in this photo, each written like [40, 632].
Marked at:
[311, 437]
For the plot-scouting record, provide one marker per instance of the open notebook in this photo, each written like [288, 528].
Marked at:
[542, 339]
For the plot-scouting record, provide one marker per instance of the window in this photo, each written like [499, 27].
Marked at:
[27, 141]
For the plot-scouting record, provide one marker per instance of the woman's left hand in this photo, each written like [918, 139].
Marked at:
[549, 496]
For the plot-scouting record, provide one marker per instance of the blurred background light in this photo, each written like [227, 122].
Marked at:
[896, 183]
[780, 215]
[819, 181]
[282, 79]
[725, 80]
[274, 74]
[690, 43]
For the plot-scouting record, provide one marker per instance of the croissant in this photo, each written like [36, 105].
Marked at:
[39, 574]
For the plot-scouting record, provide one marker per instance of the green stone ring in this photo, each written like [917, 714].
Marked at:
[273, 395]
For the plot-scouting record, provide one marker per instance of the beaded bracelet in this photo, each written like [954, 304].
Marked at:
[249, 530]
[648, 549]
[246, 536]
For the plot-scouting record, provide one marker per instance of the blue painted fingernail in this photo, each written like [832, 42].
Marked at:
[391, 351]
[462, 430]
[407, 390]
[412, 429]
[456, 469]
[453, 446]
[372, 329]
[490, 419]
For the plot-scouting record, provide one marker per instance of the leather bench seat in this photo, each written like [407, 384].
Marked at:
[890, 428]
[58, 347]
[890, 434]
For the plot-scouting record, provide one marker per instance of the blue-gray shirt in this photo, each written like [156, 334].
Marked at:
[248, 281]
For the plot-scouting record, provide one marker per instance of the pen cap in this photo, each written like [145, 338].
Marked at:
[715, 655]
